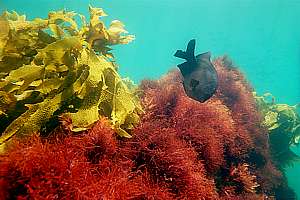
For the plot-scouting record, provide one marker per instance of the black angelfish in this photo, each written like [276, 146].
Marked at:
[200, 79]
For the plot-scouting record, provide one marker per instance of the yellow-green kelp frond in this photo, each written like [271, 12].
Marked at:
[283, 124]
[279, 116]
[57, 67]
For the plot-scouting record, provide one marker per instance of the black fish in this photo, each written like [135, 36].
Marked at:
[200, 79]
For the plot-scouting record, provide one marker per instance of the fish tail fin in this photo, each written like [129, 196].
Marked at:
[189, 53]
[190, 50]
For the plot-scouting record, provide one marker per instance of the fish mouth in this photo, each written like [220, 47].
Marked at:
[198, 93]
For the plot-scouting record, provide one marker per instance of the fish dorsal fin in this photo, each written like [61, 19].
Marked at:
[189, 54]
[184, 68]
[204, 56]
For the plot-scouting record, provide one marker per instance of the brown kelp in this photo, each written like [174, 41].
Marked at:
[55, 69]
[181, 149]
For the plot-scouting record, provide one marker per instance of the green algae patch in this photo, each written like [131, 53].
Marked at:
[279, 116]
[283, 124]
[56, 68]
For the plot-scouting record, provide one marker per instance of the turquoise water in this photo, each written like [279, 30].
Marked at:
[261, 36]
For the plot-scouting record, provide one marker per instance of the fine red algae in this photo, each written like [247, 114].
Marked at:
[182, 149]
[73, 167]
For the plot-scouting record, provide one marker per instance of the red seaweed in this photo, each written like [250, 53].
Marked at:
[182, 149]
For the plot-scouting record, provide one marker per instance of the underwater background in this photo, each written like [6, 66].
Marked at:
[261, 36]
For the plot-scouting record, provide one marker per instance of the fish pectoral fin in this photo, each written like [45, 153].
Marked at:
[194, 83]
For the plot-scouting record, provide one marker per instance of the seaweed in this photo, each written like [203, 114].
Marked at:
[55, 67]
[181, 149]
[83, 166]
[283, 124]
[54, 70]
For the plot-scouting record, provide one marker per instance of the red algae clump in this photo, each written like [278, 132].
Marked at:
[181, 149]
